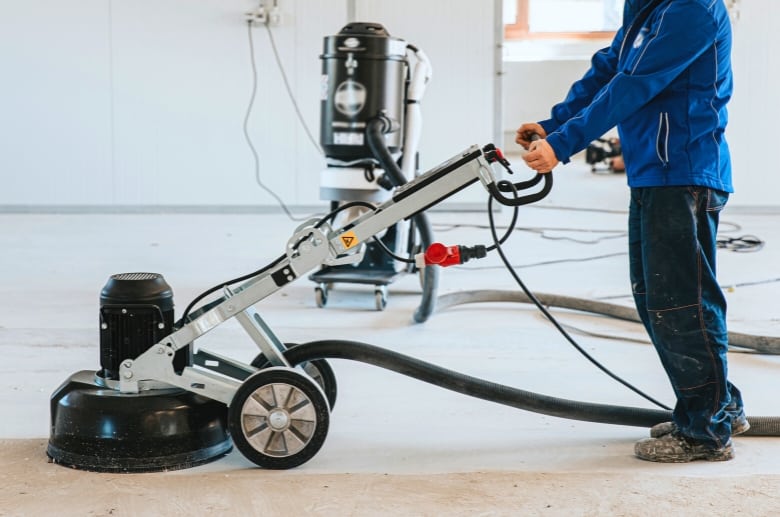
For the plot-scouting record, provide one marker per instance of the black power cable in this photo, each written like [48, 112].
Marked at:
[515, 212]
[497, 242]
[201, 296]
[743, 244]
[390, 253]
[555, 322]
[276, 262]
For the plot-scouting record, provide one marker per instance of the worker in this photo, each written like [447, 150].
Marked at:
[664, 82]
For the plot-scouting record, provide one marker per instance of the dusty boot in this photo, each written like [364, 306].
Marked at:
[676, 448]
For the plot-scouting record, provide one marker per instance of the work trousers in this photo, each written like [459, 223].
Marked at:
[672, 248]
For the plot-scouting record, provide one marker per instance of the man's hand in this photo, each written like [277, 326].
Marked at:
[526, 131]
[541, 157]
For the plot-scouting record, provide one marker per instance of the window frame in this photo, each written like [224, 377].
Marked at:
[521, 29]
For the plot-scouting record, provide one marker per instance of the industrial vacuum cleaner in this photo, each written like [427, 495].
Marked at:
[370, 128]
[161, 402]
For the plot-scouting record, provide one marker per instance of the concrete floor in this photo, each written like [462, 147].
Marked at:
[396, 446]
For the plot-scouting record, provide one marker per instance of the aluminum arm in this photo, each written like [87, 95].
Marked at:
[416, 196]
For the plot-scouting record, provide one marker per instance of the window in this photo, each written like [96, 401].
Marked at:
[578, 19]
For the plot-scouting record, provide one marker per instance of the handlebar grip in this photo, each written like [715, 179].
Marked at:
[496, 190]
[520, 185]
[523, 200]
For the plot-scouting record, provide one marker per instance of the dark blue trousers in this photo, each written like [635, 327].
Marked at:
[672, 248]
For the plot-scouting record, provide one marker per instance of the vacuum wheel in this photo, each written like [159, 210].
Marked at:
[380, 297]
[321, 295]
[278, 418]
[318, 369]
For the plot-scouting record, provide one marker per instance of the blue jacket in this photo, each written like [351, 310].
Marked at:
[664, 81]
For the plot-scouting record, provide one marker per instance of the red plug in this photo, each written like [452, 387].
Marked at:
[438, 254]
[441, 255]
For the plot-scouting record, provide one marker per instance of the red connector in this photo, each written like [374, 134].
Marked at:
[438, 254]
[441, 255]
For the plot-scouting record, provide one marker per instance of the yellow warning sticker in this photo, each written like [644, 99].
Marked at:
[349, 240]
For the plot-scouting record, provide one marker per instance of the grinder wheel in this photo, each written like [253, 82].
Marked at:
[318, 369]
[279, 418]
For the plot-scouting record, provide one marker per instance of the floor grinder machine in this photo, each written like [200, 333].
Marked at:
[370, 127]
[159, 404]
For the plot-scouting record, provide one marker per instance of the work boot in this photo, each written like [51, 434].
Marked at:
[675, 448]
[738, 426]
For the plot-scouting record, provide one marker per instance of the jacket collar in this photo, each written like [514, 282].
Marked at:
[635, 14]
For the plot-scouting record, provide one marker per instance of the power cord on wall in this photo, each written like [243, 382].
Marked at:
[290, 93]
[250, 106]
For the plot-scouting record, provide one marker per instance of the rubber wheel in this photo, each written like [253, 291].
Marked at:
[380, 299]
[321, 296]
[318, 369]
[278, 418]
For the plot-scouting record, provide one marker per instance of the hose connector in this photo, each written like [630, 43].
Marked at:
[438, 254]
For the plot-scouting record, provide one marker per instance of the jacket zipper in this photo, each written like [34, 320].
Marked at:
[662, 140]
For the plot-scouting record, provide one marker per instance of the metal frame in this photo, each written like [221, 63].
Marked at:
[313, 244]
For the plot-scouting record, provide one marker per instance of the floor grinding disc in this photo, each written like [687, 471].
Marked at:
[100, 429]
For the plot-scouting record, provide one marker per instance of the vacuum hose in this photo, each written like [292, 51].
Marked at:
[493, 392]
[375, 137]
[761, 344]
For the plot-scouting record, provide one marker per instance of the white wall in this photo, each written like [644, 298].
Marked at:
[140, 103]
[55, 101]
[531, 87]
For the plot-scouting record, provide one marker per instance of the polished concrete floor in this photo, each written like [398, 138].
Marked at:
[572, 243]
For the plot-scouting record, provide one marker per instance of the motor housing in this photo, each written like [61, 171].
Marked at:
[136, 311]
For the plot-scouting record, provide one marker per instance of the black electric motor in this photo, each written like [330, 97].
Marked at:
[364, 73]
[136, 311]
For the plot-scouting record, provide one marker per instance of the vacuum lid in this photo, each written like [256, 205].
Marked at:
[365, 28]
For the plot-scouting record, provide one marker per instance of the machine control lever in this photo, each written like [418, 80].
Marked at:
[494, 154]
